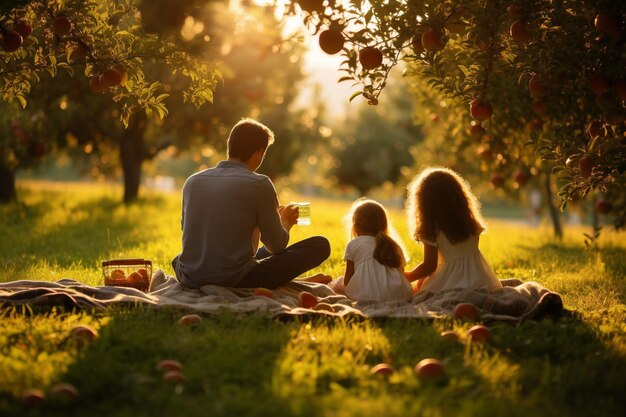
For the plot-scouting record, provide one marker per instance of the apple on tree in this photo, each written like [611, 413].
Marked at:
[370, 57]
[331, 41]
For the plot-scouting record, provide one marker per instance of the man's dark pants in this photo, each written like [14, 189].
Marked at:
[278, 269]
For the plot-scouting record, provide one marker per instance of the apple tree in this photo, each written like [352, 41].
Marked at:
[523, 79]
[106, 45]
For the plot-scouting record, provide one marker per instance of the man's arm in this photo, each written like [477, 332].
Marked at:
[273, 234]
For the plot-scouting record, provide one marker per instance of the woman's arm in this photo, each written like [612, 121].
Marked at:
[349, 272]
[428, 265]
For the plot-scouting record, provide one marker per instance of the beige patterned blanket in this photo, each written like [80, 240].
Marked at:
[517, 300]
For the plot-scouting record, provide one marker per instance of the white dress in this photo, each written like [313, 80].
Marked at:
[373, 281]
[461, 265]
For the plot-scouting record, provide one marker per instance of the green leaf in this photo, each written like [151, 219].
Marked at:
[355, 95]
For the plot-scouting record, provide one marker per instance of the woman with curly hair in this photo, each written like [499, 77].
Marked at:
[444, 215]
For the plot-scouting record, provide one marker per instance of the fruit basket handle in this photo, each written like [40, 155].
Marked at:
[128, 261]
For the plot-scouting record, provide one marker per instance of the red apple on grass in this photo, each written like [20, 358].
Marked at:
[479, 334]
[307, 300]
[450, 336]
[382, 369]
[175, 376]
[430, 369]
[33, 398]
[65, 391]
[189, 320]
[466, 311]
[169, 365]
[83, 333]
[263, 292]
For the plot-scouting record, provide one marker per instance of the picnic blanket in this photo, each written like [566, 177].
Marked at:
[516, 301]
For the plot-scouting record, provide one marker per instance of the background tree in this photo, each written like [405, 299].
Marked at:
[97, 124]
[543, 74]
[371, 146]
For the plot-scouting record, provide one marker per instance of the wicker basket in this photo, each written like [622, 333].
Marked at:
[135, 273]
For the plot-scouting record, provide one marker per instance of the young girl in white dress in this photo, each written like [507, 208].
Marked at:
[444, 215]
[374, 260]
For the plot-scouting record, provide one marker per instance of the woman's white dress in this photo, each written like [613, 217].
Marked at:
[461, 265]
[373, 281]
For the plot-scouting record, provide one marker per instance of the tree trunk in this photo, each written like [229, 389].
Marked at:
[554, 211]
[7, 185]
[132, 155]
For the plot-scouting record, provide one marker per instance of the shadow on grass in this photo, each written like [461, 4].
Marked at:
[611, 259]
[549, 368]
[228, 361]
[90, 233]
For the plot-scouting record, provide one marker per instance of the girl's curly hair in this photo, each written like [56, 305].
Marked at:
[440, 200]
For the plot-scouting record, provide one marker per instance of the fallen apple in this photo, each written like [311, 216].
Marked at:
[450, 336]
[65, 391]
[466, 311]
[175, 376]
[430, 369]
[479, 334]
[189, 320]
[381, 369]
[33, 397]
[169, 365]
[263, 292]
[83, 333]
[307, 300]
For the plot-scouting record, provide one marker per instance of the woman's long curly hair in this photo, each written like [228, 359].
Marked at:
[440, 200]
[370, 218]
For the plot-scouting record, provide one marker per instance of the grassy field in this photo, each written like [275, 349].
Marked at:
[253, 365]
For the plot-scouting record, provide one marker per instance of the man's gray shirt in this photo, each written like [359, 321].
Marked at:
[221, 208]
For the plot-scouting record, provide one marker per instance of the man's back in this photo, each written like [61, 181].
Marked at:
[221, 208]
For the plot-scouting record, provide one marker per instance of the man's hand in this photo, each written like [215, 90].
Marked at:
[288, 215]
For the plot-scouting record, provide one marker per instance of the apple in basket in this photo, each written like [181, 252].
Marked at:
[118, 274]
[136, 279]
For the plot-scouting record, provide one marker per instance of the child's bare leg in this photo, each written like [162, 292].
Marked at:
[337, 286]
[319, 278]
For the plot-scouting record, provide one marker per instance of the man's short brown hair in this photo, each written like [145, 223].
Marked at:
[247, 137]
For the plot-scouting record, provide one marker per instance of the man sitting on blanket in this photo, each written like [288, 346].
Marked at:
[227, 209]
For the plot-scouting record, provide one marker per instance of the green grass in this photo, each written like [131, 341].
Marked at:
[253, 365]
